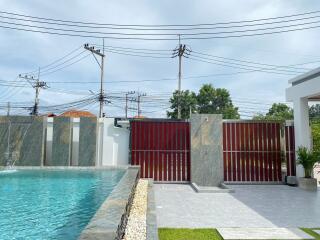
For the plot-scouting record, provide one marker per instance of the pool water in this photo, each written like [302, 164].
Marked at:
[52, 204]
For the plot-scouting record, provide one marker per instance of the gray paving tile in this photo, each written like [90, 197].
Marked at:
[177, 205]
[263, 233]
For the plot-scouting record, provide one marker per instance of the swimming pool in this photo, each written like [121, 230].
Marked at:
[52, 204]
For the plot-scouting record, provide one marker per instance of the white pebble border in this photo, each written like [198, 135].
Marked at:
[136, 225]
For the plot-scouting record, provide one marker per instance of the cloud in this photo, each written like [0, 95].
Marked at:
[22, 51]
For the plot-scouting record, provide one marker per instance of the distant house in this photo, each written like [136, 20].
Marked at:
[77, 113]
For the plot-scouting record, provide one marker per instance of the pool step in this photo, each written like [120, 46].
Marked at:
[263, 233]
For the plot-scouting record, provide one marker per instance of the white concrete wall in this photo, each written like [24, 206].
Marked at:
[115, 142]
[299, 94]
[75, 141]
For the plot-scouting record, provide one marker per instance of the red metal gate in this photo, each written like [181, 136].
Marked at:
[290, 150]
[161, 149]
[252, 151]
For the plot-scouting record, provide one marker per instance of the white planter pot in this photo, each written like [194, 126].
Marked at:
[309, 184]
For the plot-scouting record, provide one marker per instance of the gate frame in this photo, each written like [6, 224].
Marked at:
[282, 149]
[186, 151]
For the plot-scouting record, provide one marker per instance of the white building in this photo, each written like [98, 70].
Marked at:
[304, 88]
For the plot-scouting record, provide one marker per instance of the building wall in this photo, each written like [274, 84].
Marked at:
[23, 136]
[63, 141]
[115, 142]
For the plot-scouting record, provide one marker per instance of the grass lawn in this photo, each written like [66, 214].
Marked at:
[310, 232]
[205, 234]
[188, 234]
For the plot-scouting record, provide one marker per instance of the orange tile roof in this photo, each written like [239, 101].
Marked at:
[76, 113]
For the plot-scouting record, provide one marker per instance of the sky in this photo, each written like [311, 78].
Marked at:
[253, 92]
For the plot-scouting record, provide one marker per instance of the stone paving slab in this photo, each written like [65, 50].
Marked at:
[263, 233]
[316, 231]
[254, 206]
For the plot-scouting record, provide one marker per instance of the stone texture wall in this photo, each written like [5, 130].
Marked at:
[87, 141]
[61, 143]
[206, 149]
[26, 140]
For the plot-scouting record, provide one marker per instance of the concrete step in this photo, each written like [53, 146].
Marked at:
[263, 233]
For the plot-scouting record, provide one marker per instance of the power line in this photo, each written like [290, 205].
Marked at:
[244, 68]
[250, 62]
[106, 34]
[156, 39]
[158, 29]
[161, 25]
[57, 60]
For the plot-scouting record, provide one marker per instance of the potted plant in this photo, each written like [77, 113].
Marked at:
[307, 158]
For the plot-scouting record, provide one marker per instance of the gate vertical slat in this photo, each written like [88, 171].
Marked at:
[174, 154]
[164, 155]
[233, 159]
[146, 153]
[243, 154]
[179, 147]
[133, 144]
[228, 153]
[188, 153]
[139, 139]
[269, 142]
[260, 134]
[168, 155]
[251, 154]
[152, 147]
[237, 148]
[279, 173]
[265, 157]
[158, 167]
[290, 150]
[247, 157]
[255, 150]
[224, 139]
[272, 155]
[293, 154]
[183, 159]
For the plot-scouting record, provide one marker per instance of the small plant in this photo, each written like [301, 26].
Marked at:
[307, 158]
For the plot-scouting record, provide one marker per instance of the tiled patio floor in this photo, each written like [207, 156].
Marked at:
[250, 206]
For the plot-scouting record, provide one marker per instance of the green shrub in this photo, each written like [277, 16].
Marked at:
[307, 158]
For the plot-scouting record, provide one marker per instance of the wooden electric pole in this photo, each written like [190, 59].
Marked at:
[37, 85]
[180, 51]
[126, 107]
[139, 102]
[102, 97]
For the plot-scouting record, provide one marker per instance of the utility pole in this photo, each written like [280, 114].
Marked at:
[37, 85]
[102, 97]
[126, 108]
[180, 51]
[8, 107]
[139, 102]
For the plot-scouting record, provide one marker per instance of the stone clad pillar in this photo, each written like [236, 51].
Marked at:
[206, 150]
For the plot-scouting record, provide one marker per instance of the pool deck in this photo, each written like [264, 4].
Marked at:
[250, 206]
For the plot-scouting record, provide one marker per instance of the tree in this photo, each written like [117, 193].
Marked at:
[278, 111]
[314, 111]
[216, 101]
[188, 102]
[314, 114]
[208, 100]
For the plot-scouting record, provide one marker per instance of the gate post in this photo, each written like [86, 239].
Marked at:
[206, 152]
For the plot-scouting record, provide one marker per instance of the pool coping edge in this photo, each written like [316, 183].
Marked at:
[151, 220]
[110, 220]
